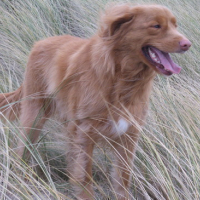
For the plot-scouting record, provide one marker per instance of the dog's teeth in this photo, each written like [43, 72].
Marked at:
[153, 56]
[158, 61]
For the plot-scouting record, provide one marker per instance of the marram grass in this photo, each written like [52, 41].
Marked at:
[167, 161]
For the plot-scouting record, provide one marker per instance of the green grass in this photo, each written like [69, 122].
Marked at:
[167, 162]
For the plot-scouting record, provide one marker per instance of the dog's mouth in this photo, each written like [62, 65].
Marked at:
[161, 61]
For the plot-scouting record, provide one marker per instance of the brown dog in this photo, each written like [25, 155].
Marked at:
[99, 86]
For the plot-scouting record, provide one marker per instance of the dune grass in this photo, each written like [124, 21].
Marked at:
[167, 162]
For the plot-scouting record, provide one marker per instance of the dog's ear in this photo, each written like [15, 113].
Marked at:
[114, 18]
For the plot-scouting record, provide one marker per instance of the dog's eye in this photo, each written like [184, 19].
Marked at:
[157, 26]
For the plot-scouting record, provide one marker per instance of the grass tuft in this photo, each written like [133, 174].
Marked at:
[167, 162]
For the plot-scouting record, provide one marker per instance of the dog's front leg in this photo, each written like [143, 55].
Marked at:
[124, 152]
[80, 166]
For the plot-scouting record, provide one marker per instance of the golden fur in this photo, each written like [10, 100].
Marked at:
[96, 85]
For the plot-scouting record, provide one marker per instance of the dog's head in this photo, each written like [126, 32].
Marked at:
[149, 32]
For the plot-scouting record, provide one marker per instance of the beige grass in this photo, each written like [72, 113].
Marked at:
[167, 163]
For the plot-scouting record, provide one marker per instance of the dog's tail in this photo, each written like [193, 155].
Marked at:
[10, 104]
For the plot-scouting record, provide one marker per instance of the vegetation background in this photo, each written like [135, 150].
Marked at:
[167, 162]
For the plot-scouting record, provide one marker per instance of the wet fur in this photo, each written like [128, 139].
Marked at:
[100, 86]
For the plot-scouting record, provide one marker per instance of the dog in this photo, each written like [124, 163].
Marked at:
[99, 87]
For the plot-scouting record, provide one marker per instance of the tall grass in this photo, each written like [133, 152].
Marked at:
[167, 162]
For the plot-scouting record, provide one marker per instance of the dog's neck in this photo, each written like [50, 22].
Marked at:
[134, 83]
[132, 89]
[130, 80]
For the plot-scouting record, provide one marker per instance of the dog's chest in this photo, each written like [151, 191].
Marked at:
[120, 127]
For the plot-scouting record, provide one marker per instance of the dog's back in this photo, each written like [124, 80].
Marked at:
[46, 69]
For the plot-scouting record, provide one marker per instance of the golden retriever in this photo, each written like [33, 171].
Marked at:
[99, 87]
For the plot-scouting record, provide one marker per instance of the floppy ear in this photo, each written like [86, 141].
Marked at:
[114, 18]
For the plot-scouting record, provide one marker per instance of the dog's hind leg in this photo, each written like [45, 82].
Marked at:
[33, 117]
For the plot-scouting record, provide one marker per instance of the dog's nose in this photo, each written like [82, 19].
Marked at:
[185, 44]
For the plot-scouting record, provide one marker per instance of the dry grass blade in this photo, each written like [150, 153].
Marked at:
[167, 161]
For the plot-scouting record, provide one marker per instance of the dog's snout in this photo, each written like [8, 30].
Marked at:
[184, 44]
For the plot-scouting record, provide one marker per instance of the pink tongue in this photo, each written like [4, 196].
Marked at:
[166, 61]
